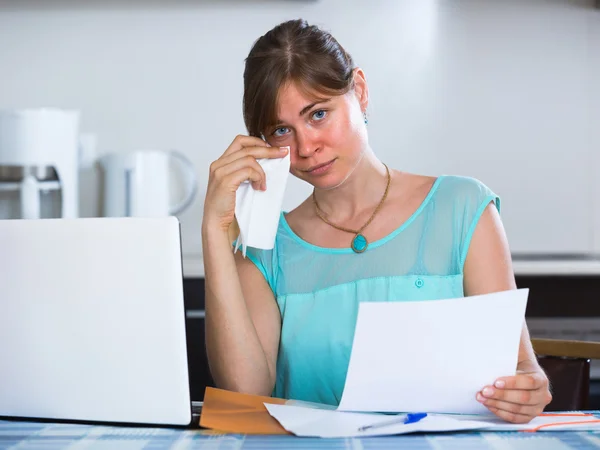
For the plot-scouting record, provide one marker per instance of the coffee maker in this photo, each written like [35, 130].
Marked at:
[39, 163]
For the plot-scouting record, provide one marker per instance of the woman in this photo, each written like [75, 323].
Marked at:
[281, 321]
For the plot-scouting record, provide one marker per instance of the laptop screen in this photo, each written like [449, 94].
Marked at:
[92, 321]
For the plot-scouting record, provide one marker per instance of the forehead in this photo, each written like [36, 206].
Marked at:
[293, 97]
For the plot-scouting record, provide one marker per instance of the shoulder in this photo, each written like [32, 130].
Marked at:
[475, 206]
[455, 191]
[463, 185]
[410, 188]
[466, 192]
[416, 183]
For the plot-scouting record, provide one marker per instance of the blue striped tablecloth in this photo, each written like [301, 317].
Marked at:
[49, 436]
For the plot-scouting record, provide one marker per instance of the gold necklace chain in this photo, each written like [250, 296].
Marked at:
[359, 242]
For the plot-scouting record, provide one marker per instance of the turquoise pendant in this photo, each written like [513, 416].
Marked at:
[359, 243]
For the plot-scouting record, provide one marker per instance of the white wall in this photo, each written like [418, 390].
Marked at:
[594, 105]
[505, 91]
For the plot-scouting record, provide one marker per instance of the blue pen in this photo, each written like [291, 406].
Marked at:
[402, 418]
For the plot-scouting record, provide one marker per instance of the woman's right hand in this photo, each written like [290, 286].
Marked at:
[236, 165]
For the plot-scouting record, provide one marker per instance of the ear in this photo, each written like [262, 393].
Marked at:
[361, 88]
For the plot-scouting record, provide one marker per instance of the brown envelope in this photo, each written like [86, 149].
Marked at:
[231, 412]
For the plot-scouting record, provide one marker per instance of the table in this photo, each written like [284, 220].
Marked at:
[49, 436]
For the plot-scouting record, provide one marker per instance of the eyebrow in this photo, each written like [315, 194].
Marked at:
[304, 110]
[312, 105]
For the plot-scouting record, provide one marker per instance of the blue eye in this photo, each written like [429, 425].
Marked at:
[320, 114]
[280, 131]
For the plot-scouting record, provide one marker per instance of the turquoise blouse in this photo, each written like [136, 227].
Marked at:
[318, 289]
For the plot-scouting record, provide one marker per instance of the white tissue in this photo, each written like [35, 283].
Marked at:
[257, 212]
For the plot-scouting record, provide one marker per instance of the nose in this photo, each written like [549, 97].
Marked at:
[306, 145]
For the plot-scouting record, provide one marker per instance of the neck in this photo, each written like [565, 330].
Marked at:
[361, 191]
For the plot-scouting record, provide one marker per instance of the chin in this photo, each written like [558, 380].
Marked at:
[324, 182]
[332, 177]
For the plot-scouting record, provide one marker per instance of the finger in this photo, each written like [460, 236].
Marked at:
[510, 416]
[532, 380]
[242, 141]
[517, 396]
[234, 179]
[529, 410]
[242, 164]
[255, 152]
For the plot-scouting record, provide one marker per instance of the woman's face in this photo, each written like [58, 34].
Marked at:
[326, 136]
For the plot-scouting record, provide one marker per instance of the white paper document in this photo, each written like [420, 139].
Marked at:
[257, 212]
[325, 423]
[426, 357]
[303, 421]
[432, 356]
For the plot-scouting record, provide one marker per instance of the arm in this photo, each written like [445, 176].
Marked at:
[242, 320]
[488, 268]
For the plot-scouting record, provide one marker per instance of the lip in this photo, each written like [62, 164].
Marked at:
[320, 168]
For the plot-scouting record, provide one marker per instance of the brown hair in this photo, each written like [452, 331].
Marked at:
[293, 51]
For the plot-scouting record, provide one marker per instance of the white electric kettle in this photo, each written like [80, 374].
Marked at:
[140, 183]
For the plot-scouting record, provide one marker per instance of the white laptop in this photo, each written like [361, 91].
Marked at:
[92, 321]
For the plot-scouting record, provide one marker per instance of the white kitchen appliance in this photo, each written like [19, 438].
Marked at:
[39, 163]
[144, 183]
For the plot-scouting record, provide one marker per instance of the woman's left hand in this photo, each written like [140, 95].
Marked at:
[518, 398]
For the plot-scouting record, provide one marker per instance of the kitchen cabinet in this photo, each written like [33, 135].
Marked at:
[199, 373]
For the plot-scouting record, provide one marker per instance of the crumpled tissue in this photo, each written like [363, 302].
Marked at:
[258, 212]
